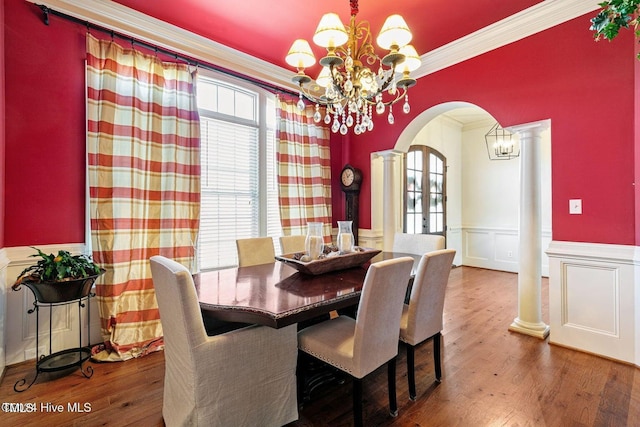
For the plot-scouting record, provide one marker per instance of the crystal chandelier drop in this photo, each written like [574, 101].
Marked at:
[348, 89]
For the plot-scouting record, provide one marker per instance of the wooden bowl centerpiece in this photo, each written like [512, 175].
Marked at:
[330, 260]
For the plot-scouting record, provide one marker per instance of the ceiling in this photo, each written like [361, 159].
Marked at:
[266, 29]
[253, 37]
[469, 115]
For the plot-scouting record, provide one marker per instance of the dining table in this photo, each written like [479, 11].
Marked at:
[277, 295]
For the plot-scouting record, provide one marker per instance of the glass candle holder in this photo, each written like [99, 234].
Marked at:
[314, 242]
[345, 237]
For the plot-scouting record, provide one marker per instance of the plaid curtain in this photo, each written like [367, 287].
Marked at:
[304, 170]
[144, 183]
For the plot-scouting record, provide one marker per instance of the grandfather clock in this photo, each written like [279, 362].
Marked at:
[350, 180]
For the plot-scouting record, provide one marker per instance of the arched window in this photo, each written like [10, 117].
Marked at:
[426, 194]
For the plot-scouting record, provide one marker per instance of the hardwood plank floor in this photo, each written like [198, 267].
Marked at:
[491, 377]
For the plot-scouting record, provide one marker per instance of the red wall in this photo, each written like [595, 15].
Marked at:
[636, 90]
[45, 128]
[2, 126]
[585, 88]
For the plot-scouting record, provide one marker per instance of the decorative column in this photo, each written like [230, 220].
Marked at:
[389, 198]
[529, 320]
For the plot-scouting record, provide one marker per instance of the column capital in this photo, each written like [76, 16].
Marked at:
[532, 127]
[386, 154]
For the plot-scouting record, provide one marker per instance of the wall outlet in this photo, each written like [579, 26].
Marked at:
[575, 206]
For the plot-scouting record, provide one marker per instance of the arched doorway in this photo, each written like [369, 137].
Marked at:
[524, 244]
[482, 195]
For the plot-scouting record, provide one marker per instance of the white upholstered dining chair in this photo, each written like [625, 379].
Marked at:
[255, 251]
[245, 377]
[418, 244]
[422, 316]
[291, 244]
[361, 345]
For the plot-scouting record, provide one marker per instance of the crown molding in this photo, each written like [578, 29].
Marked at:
[479, 124]
[129, 22]
[535, 19]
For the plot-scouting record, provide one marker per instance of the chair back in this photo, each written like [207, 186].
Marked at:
[418, 244]
[255, 250]
[426, 302]
[379, 313]
[245, 377]
[178, 305]
[291, 244]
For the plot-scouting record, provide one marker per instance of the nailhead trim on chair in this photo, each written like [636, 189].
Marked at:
[331, 362]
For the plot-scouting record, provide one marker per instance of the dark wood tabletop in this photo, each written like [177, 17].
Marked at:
[277, 295]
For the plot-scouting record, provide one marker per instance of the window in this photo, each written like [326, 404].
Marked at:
[239, 193]
[425, 195]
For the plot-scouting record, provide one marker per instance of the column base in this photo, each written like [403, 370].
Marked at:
[538, 330]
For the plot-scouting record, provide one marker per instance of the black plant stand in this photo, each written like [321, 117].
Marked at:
[63, 359]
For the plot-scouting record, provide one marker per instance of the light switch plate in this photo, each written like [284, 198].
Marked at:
[575, 206]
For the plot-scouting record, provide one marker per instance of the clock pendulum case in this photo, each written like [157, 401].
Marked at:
[350, 180]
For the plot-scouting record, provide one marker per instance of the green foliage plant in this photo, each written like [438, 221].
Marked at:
[58, 268]
[615, 15]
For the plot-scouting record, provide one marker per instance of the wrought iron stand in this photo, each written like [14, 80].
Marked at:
[63, 359]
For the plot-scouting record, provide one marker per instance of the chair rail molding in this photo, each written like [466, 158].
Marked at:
[594, 298]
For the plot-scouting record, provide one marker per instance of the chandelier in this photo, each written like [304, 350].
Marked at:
[500, 145]
[347, 88]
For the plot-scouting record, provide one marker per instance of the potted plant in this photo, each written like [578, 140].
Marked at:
[59, 278]
[615, 15]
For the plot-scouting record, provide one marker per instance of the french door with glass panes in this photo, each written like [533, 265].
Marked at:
[425, 191]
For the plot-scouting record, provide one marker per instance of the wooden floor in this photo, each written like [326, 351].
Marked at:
[491, 377]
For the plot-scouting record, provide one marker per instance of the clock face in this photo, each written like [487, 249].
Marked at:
[347, 177]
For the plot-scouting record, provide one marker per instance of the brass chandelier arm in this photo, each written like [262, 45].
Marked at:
[360, 31]
[321, 100]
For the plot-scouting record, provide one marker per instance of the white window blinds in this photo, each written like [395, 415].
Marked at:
[239, 193]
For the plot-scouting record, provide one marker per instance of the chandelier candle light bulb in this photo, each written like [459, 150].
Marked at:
[300, 55]
[394, 34]
[330, 32]
[503, 148]
[346, 87]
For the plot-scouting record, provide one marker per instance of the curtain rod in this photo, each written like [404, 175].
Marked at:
[47, 10]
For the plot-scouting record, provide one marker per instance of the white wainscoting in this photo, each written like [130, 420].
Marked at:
[370, 238]
[594, 298]
[20, 330]
[497, 248]
[454, 241]
[483, 247]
